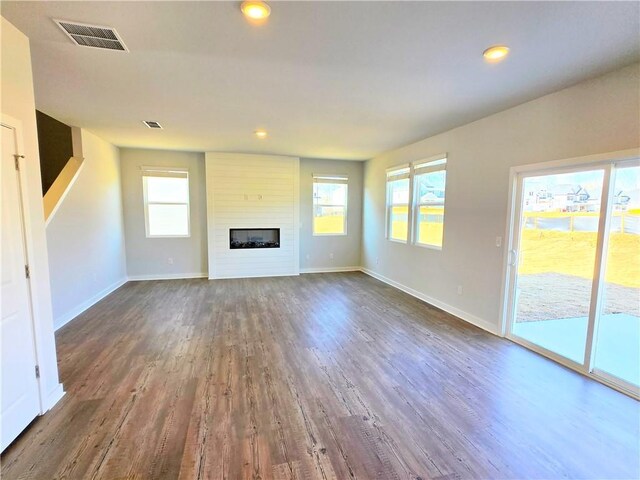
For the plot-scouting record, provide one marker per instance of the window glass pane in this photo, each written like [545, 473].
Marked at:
[558, 238]
[329, 208]
[168, 220]
[617, 347]
[167, 190]
[329, 220]
[398, 199]
[399, 191]
[330, 193]
[399, 220]
[431, 225]
[430, 188]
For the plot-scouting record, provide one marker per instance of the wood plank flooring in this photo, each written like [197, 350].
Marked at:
[324, 376]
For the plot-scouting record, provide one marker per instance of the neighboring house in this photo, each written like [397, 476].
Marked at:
[575, 198]
[621, 200]
[432, 194]
[571, 198]
[624, 200]
[561, 198]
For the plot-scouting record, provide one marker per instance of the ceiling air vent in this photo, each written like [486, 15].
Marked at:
[92, 35]
[151, 124]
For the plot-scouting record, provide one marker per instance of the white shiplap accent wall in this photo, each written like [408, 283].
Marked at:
[252, 191]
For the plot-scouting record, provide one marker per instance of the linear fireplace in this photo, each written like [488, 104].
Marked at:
[254, 238]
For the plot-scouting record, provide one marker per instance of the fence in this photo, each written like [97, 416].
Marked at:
[581, 222]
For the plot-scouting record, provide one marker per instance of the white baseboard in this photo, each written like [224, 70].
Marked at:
[256, 276]
[62, 320]
[330, 269]
[166, 276]
[467, 317]
[53, 398]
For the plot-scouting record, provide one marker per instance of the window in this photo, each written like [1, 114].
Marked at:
[166, 202]
[429, 180]
[416, 191]
[330, 204]
[398, 186]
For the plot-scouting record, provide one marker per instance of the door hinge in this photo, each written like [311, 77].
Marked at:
[27, 273]
[17, 158]
[37, 371]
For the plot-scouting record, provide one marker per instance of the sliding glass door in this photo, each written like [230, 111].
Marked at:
[558, 233]
[574, 268]
[617, 338]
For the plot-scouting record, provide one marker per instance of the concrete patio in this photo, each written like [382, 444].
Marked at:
[617, 341]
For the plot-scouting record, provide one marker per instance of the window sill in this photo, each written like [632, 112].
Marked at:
[168, 236]
[329, 234]
[428, 247]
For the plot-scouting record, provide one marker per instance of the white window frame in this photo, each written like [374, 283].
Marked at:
[399, 172]
[333, 179]
[437, 163]
[410, 170]
[171, 172]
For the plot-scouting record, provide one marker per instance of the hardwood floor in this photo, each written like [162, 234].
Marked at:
[325, 376]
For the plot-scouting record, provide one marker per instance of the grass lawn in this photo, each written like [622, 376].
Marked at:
[430, 232]
[573, 253]
[548, 251]
[327, 225]
[542, 251]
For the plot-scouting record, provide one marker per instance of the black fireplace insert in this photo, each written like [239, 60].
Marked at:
[254, 238]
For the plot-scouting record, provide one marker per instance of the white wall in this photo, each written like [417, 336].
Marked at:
[315, 251]
[149, 258]
[85, 234]
[252, 191]
[596, 116]
[16, 87]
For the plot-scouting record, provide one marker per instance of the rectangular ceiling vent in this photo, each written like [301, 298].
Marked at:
[92, 35]
[151, 124]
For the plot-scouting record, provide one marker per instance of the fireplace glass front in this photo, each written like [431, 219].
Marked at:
[254, 238]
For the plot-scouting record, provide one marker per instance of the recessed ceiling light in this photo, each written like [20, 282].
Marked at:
[495, 53]
[255, 10]
[261, 133]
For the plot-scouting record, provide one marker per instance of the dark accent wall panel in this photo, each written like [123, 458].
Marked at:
[56, 147]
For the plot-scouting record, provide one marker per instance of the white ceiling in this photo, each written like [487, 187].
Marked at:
[326, 79]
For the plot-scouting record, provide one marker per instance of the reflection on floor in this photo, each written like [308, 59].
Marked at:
[617, 345]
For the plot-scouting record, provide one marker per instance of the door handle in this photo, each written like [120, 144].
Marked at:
[513, 257]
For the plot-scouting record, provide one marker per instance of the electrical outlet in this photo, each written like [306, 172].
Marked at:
[308, 256]
[377, 260]
[170, 261]
[498, 241]
[331, 255]
[459, 289]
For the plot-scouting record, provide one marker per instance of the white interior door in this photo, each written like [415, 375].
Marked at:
[20, 394]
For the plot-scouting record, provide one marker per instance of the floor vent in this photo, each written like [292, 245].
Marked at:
[92, 35]
[151, 124]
